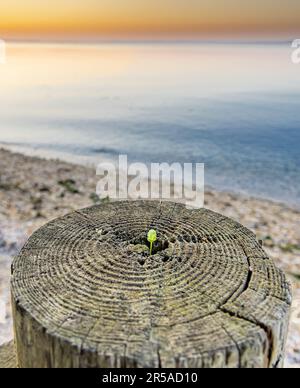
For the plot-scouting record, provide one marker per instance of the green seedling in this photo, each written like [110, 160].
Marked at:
[152, 237]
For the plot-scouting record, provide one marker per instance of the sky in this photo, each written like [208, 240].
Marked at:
[187, 19]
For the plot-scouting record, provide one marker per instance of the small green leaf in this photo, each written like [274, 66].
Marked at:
[152, 237]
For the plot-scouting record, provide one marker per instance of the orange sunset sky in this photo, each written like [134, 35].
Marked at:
[63, 19]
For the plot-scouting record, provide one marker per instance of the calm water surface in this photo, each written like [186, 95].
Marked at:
[234, 107]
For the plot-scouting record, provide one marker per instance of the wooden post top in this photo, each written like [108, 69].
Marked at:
[86, 292]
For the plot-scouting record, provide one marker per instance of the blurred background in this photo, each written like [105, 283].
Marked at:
[203, 81]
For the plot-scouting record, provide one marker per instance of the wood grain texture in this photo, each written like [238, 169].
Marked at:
[86, 293]
[8, 356]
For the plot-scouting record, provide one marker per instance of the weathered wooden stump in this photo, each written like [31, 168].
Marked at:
[86, 293]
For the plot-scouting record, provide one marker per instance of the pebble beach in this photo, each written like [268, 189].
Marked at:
[33, 191]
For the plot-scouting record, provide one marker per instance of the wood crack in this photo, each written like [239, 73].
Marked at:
[236, 345]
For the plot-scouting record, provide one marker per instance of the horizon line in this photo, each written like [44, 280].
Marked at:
[96, 41]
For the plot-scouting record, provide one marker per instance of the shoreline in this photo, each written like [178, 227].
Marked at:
[34, 190]
[87, 161]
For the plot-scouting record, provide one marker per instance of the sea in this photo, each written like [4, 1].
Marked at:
[234, 106]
